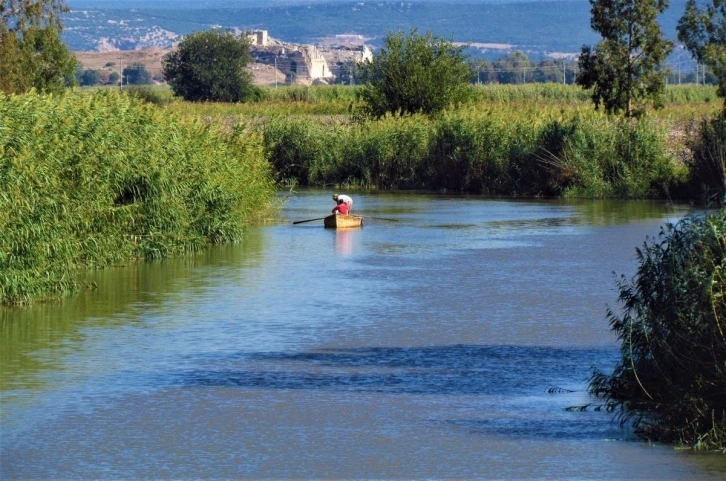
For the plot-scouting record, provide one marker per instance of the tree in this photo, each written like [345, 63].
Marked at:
[703, 32]
[482, 71]
[31, 52]
[210, 65]
[136, 74]
[622, 68]
[513, 68]
[414, 73]
[548, 71]
[89, 77]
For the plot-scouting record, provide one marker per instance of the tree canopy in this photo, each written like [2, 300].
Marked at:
[136, 74]
[23, 15]
[210, 65]
[623, 69]
[415, 73]
[88, 77]
[31, 51]
[703, 32]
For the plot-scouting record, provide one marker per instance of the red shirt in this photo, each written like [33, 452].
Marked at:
[342, 208]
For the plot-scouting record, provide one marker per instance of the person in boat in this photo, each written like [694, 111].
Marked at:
[347, 200]
[341, 208]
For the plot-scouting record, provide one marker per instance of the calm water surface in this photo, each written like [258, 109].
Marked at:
[422, 348]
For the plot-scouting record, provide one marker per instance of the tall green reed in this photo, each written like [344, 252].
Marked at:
[707, 161]
[93, 180]
[493, 151]
[670, 380]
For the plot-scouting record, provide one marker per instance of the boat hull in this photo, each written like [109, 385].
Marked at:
[342, 221]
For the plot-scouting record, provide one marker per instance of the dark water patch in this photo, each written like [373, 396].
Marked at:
[454, 226]
[436, 370]
[582, 427]
[538, 224]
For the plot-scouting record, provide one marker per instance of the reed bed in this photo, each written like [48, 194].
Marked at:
[93, 180]
[494, 151]
[671, 382]
[681, 101]
[707, 162]
[260, 109]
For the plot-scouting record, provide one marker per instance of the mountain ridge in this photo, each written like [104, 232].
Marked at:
[537, 27]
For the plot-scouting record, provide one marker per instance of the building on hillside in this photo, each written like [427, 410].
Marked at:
[343, 60]
[299, 63]
[307, 64]
[258, 37]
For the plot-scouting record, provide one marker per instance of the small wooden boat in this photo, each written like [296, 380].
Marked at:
[343, 221]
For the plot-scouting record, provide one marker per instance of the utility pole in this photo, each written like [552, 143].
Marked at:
[564, 72]
[275, 71]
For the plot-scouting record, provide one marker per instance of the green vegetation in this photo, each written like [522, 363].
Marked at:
[32, 55]
[90, 180]
[622, 69]
[414, 74]
[706, 165]
[210, 66]
[527, 152]
[543, 139]
[149, 94]
[703, 31]
[88, 77]
[136, 74]
[671, 380]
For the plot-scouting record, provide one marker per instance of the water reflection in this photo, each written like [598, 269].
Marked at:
[344, 242]
[35, 339]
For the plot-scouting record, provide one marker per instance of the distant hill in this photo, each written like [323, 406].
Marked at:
[536, 27]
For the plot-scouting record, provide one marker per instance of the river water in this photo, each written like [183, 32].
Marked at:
[421, 348]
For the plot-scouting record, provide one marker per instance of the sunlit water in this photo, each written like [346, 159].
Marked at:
[422, 348]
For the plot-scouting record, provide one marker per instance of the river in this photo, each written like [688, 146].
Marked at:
[448, 343]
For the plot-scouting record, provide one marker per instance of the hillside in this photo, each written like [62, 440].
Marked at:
[537, 27]
[544, 28]
[115, 61]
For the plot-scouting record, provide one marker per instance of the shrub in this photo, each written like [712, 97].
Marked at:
[136, 74]
[88, 77]
[671, 379]
[708, 163]
[210, 65]
[415, 74]
[149, 94]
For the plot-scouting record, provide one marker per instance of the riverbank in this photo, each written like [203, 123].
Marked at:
[97, 178]
[511, 140]
[91, 181]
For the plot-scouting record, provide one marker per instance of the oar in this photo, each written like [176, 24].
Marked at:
[383, 218]
[309, 220]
